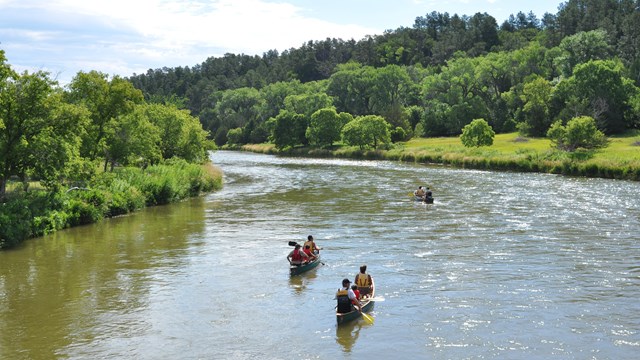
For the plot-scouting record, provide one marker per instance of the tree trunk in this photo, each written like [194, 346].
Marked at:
[3, 187]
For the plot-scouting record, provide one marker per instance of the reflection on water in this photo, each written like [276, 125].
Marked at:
[347, 334]
[300, 282]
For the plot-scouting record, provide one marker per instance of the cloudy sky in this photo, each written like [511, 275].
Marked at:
[124, 37]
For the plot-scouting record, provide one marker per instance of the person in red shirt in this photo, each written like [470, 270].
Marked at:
[354, 287]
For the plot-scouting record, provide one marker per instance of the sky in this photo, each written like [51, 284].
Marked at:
[127, 37]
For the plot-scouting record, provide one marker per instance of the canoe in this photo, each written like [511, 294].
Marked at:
[367, 305]
[297, 270]
[429, 199]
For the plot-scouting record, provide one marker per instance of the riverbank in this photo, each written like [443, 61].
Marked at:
[509, 152]
[28, 214]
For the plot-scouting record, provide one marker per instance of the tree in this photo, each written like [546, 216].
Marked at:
[391, 87]
[181, 135]
[536, 96]
[106, 100]
[369, 130]
[38, 133]
[583, 47]
[477, 133]
[289, 129]
[599, 90]
[132, 140]
[580, 132]
[236, 108]
[350, 86]
[324, 128]
[234, 136]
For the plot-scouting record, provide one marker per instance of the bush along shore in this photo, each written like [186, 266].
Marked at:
[28, 214]
[509, 152]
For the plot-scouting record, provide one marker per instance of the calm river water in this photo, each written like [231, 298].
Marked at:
[502, 266]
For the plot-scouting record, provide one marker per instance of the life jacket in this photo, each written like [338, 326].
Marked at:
[363, 281]
[296, 256]
[344, 304]
[307, 250]
[311, 246]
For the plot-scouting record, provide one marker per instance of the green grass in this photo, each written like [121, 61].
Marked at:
[619, 160]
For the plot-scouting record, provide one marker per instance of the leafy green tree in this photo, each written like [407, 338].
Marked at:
[132, 140]
[368, 130]
[477, 133]
[536, 97]
[38, 133]
[288, 129]
[452, 98]
[324, 128]
[308, 103]
[274, 95]
[350, 86]
[597, 89]
[181, 135]
[391, 87]
[580, 132]
[234, 136]
[236, 108]
[583, 47]
[106, 101]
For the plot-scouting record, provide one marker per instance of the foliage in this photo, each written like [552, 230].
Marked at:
[535, 97]
[364, 131]
[38, 135]
[106, 101]
[289, 129]
[180, 134]
[35, 213]
[599, 90]
[234, 136]
[477, 133]
[580, 132]
[324, 128]
[581, 48]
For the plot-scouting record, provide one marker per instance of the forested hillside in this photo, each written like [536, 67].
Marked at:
[429, 79]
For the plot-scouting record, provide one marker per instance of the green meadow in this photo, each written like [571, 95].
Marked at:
[510, 152]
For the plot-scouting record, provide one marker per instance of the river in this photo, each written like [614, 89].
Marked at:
[502, 266]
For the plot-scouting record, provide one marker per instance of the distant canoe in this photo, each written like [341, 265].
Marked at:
[367, 305]
[427, 199]
[297, 270]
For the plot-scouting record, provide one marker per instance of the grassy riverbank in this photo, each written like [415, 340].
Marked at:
[27, 214]
[620, 160]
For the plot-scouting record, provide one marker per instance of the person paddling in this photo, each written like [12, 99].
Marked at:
[347, 298]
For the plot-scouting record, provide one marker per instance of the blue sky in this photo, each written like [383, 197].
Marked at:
[124, 37]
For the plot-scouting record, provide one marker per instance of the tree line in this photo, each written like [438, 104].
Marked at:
[60, 135]
[92, 149]
[430, 79]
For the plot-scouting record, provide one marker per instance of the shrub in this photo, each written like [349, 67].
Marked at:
[477, 133]
[580, 132]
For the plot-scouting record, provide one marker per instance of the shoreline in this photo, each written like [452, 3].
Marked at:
[509, 153]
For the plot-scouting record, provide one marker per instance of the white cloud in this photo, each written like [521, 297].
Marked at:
[134, 35]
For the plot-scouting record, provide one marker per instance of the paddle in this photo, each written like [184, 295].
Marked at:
[378, 299]
[367, 317]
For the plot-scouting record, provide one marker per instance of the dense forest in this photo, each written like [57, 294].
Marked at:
[430, 79]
